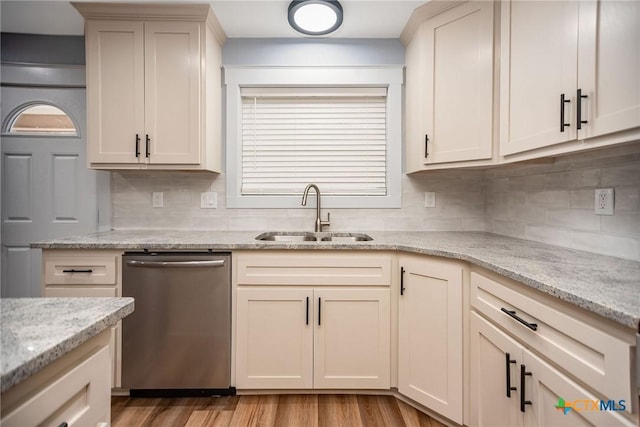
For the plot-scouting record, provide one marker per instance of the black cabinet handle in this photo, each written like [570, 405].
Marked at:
[319, 310]
[148, 145]
[523, 399]
[579, 120]
[307, 322]
[562, 102]
[401, 280]
[508, 363]
[426, 145]
[73, 270]
[137, 145]
[513, 315]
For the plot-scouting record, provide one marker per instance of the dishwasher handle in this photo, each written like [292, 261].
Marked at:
[180, 264]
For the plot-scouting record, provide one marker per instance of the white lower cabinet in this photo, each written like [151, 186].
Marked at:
[312, 320]
[86, 273]
[533, 363]
[430, 350]
[337, 338]
[75, 390]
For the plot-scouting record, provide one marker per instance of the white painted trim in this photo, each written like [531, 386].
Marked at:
[390, 77]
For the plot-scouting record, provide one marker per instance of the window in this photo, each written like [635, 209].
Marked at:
[42, 119]
[341, 135]
[333, 137]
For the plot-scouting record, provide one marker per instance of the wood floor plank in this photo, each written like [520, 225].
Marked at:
[379, 411]
[297, 410]
[303, 410]
[255, 411]
[414, 418]
[338, 410]
[134, 411]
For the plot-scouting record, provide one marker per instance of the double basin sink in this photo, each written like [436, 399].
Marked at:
[302, 236]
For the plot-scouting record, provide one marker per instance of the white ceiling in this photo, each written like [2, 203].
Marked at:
[239, 18]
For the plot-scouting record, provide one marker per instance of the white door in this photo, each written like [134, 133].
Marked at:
[274, 338]
[430, 334]
[352, 338]
[47, 190]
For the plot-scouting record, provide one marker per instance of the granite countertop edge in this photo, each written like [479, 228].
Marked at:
[521, 260]
[78, 337]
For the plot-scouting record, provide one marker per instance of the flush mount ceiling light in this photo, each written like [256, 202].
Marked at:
[315, 17]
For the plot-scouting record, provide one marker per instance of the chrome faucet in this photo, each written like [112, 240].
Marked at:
[319, 222]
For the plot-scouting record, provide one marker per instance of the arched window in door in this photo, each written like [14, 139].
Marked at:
[40, 119]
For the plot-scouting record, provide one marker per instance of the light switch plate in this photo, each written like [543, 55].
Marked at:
[157, 199]
[209, 200]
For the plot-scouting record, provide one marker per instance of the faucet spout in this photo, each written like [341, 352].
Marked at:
[319, 222]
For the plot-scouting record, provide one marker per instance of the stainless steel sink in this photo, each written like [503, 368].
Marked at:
[346, 237]
[301, 236]
[287, 236]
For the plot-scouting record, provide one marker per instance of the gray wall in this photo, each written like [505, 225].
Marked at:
[42, 49]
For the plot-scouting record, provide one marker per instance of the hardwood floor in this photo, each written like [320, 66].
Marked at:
[294, 410]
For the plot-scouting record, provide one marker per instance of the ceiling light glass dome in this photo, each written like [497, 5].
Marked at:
[315, 17]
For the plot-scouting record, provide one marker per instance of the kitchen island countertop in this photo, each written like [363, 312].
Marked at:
[37, 331]
[607, 286]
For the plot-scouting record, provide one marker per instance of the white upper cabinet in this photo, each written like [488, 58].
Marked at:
[153, 86]
[569, 71]
[449, 87]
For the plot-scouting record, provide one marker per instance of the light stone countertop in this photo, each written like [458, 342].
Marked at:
[607, 286]
[36, 331]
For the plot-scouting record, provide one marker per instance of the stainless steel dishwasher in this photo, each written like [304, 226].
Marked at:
[177, 342]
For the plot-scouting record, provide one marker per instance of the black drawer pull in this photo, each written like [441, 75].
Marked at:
[402, 288]
[508, 363]
[73, 270]
[579, 121]
[426, 145]
[147, 146]
[319, 310]
[562, 102]
[523, 399]
[137, 145]
[307, 322]
[513, 315]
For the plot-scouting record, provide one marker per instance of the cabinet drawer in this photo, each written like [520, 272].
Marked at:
[593, 356]
[80, 397]
[312, 269]
[81, 269]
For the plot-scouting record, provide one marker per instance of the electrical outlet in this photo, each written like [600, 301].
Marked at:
[429, 199]
[209, 200]
[157, 199]
[604, 201]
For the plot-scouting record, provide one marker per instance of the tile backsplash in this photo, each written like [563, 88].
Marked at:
[550, 201]
[554, 202]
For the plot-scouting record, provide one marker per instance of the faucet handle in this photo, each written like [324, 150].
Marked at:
[326, 223]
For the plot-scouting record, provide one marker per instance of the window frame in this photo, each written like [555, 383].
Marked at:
[390, 77]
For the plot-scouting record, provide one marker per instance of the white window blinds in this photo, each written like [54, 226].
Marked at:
[333, 137]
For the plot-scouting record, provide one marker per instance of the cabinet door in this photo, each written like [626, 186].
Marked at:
[274, 338]
[495, 360]
[173, 92]
[115, 90]
[546, 389]
[430, 335]
[609, 66]
[352, 338]
[458, 90]
[537, 66]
